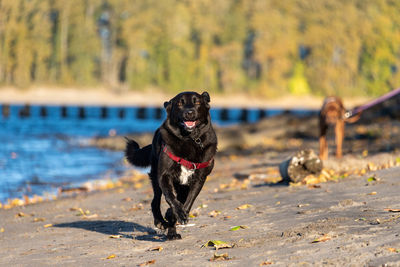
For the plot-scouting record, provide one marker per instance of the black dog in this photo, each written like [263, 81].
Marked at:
[181, 157]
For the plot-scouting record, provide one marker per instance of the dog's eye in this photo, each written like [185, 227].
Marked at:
[181, 103]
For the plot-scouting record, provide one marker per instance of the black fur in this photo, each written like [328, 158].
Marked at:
[135, 155]
[194, 142]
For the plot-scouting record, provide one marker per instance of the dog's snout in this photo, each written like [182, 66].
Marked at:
[189, 114]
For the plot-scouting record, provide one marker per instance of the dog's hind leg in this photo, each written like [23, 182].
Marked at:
[159, 221]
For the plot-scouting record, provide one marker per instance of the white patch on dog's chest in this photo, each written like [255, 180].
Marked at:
[185, 175]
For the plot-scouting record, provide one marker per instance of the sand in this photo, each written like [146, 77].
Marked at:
[101, 96]
[341, 223]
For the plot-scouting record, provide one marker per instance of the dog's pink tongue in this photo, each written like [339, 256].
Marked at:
[190, 123]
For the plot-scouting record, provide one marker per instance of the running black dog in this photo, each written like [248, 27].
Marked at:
[181, 156]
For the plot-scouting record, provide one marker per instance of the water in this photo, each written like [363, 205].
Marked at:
[44, 148]
[41, 153]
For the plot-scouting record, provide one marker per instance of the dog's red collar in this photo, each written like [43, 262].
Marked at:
[188, 164]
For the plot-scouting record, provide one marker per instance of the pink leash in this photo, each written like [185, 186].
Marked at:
[361, 108]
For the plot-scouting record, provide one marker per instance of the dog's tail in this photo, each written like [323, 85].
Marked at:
[137, 156]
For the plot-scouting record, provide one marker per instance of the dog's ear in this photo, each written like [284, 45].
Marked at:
[206, 97]
[167, 106]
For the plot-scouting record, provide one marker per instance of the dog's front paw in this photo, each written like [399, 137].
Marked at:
[172, 234]
[182, 216]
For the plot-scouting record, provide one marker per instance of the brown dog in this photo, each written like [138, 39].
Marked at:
[332, 113]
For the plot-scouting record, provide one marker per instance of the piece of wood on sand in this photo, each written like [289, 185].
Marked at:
[300, 165]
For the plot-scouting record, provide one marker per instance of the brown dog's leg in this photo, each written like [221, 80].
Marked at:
[323, 146]
[339, 134]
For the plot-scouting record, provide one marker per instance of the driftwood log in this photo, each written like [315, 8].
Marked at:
[302, 164]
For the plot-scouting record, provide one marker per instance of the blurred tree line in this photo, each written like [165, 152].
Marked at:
[261, 47]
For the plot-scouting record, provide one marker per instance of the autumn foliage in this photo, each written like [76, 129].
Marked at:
[258, 47]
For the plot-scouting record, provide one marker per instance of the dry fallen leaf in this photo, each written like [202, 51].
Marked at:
[136, 207]
[137, 185]
[311, 180]
[372, 193]
[81, 212]
[1, 230]
[244, 206]
[112, 256]
[233, 157]
[323, 238]
[266, 263]
[235, 228]
[39, 219]
[147, 263]
[217, 244]
[92, 216]
[393, 210]
[214, 213]
[115, 236]
[194, 213]
[17, 202]
[220, 257]
[371, 166]
[395, 250]
[159, 248]
[47, 225]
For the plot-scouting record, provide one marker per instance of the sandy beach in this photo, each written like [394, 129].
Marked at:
[101, 96]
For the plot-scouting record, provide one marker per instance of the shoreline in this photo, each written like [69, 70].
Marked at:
[131, 176]
[136, 178]
[101, 96]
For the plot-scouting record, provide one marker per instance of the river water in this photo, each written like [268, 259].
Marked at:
[45, 147]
